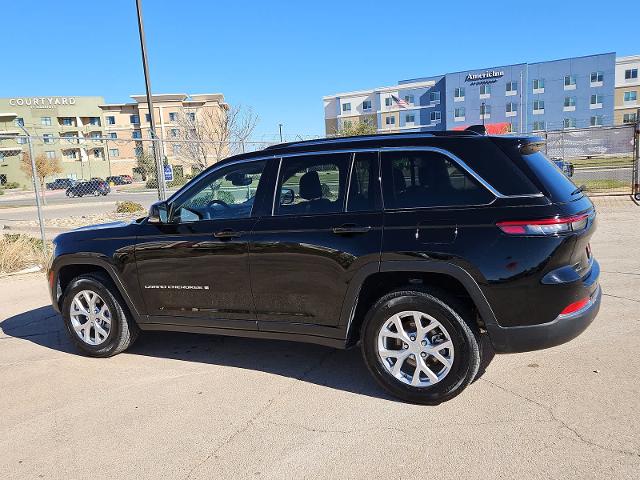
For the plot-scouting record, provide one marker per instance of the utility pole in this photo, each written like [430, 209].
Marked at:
[162, 191]
[521, 106]
[280, 126]
[483, 109]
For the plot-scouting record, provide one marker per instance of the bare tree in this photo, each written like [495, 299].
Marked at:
[45, 167]
[207, 135]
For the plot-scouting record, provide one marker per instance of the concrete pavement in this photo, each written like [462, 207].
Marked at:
[201, 407]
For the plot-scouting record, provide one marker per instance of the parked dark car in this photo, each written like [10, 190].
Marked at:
[92, 187]
[415, 246]
[565, 165]
[61, 183]
[119, 179]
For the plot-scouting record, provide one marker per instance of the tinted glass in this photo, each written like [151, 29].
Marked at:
[428, 179]
[312, 184]
[227, 193]
[364, 187]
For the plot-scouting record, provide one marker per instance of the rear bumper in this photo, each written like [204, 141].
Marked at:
[545, 335]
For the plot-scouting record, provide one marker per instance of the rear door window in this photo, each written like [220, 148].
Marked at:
[414, 179]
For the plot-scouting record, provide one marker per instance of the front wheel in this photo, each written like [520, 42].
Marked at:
[419, 347]
[96, 317]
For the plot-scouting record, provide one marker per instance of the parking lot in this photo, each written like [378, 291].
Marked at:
[194, 407]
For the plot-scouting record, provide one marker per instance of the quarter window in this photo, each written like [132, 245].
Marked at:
[428, 179]
[312, 185]
[226, 193]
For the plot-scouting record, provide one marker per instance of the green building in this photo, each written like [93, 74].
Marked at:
[68, 130]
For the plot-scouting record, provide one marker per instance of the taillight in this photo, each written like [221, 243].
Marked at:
[545, 226]
[575, 306]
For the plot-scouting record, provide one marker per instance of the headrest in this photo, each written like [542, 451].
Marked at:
[310, 187]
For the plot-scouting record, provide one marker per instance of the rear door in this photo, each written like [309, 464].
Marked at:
[325, 225]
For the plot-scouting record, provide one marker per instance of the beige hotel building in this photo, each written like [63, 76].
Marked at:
[91, 138]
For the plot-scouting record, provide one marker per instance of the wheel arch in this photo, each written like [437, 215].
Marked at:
[395, 274]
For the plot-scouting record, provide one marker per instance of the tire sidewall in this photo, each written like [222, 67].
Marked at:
[463, 339]
[117, 316]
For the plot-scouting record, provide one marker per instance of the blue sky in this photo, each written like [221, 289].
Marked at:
[281, 57]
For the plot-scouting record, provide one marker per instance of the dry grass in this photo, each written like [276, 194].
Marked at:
[21, 251]
[128, 207]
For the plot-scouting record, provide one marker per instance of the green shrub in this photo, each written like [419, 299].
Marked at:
[10, 185]
[226, 197]
[128, 207]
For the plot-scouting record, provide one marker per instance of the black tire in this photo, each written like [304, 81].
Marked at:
[457, 320]
[124, 330]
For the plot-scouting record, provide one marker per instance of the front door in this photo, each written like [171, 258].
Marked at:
[304, 256]
[194, 270]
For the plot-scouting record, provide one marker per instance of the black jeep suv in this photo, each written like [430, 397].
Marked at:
[415, 246]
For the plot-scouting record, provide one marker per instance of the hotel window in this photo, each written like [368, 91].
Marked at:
[50, 154]
[538, 126]
[538, 106]
[114, 152]
[388, 102]
[569, 123]
[173, 116]
[631, 96]
[629, 118]
[147, 117]
[512, 107]
[597, 78]
[174, 132]
[512, 88]
[192, 116]
[596, 100]
[67, 121]
[346, 107]
[631, 74]
[46, 121]
[47, 137]
[135, 119]
[21, 140]
[136, 134]
[596, 121]
[19, 121]
[458, 113]
[434, 97]
[94, 121]
[485, 90]
[458, 93]
[139, 150]
[569, 82]
[485, 109]
[569, 101]
[176, 150]
[111, 120]
[435, 117]
[366, 105]
[538, 85]
[113, 135]
[408, 99]
[390, 120]
[97, 153]
[95, 135]
[70, 154]
[410, 119]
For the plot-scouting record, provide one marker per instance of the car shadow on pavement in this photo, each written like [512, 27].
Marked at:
[338, 369]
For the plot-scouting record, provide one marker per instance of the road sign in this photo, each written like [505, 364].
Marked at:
[168, 173]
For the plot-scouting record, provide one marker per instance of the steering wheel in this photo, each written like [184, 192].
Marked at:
[217, 202]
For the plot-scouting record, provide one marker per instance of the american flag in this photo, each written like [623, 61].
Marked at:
[399, 101]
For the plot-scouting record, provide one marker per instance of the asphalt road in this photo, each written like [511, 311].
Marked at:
[200, 407]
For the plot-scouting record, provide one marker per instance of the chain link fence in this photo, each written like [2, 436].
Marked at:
[97, 179]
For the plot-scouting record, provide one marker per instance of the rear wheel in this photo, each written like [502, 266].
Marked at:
[96, 317]
[419, 347]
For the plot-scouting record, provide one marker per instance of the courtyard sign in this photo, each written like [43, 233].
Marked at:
[42, 102]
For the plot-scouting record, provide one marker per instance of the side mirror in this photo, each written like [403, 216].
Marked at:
[158, 213]
[287, 196]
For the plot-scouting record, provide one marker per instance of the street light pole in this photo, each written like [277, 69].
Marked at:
[162, 191]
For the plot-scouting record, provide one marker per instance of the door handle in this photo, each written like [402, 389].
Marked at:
[227, 233]
[349, 229]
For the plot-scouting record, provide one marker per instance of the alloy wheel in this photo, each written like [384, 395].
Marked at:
[90, 317]
[415, 348]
